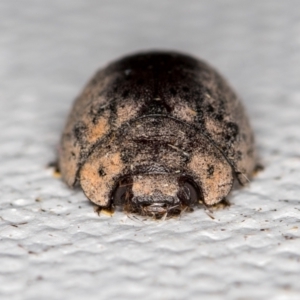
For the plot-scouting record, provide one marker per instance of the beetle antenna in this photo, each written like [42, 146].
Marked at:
[208, 211]
[242, 174]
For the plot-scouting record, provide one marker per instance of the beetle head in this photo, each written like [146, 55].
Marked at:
[156, 194]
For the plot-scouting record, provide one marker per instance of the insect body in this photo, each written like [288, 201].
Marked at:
[156, 133]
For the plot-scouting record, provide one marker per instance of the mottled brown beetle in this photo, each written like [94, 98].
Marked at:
[156, 133]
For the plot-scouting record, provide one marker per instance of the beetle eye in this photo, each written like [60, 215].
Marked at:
[123, 191]
[189, 192]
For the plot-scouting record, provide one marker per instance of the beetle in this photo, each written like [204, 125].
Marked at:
[156, 133]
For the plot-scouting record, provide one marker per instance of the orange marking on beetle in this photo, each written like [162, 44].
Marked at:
[95, 186]
[184, 112]
[125, 113]
[214, 187]
[97, 131]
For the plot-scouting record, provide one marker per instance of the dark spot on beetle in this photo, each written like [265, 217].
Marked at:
[232, 130]
[200, 120]
[79, 131]
[101, 172]
[137, 95]
[224, 148]
[227, 138]
[239, 155]
[210, 109]
[199, 115]
[73, 154]
[128, 75]
[125, 157]
[167, 107]
[173, 92]
[210, 170]
[113, 107]
[140, 82]
[125, 94]
[100, 110]
[219, 117]
[186, 159]
[185, 89]
[96, 112]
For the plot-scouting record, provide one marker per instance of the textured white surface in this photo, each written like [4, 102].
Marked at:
[53, 245]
